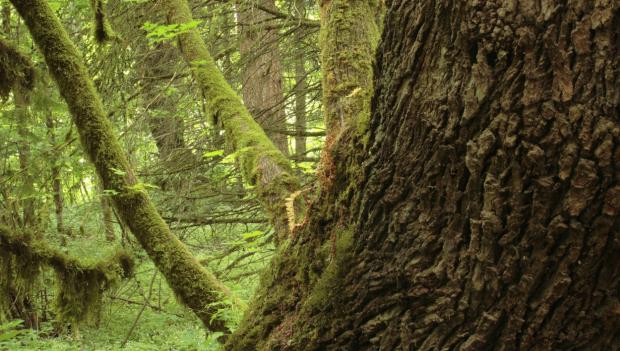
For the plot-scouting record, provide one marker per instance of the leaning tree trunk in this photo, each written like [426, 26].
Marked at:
[193, 284]
[485, 210]
[262, 163]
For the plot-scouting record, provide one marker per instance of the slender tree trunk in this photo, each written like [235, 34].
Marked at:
[262, 69]
[108, 218]
[301, 86]
[159, 68]
[196, 287]
[485, 213]
[164, 121]
[55, 176]
[21, 99]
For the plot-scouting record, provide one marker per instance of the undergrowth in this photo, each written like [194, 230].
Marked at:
[124, 321]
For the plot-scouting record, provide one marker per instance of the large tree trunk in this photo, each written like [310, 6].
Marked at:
[484, 214]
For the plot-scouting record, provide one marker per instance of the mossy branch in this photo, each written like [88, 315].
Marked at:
[16, 69]
[193, 284]
[262, 163]
[103, 29]
[80, 285]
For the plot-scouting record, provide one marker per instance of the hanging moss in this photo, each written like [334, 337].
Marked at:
[15, 69]
[103, 30]
[80, 286]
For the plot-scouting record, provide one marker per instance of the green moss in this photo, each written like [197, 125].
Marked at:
[103, 30]
[299, 272]
[15, 69]
[80, 286]
[348, 39]
[325, 292]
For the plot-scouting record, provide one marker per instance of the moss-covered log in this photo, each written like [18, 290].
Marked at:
[195, 286]
[263, 165]
[80, 285]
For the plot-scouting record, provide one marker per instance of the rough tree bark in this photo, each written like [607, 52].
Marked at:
[196, 287]
[262, 69]
[485, 214]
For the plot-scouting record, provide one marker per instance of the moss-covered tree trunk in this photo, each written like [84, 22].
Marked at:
[485, 214]
[196, 287]
[261, 75]
[349, 35]
[262, 163]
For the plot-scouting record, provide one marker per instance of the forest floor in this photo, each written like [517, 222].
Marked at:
[125, 323]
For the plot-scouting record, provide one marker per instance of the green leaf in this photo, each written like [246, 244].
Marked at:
[7, 331]
[211, 154]
[117, 171]
[157, 33]
[253, 234]
[142, 187]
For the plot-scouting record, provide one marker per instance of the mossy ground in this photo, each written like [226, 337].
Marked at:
[155, 331]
